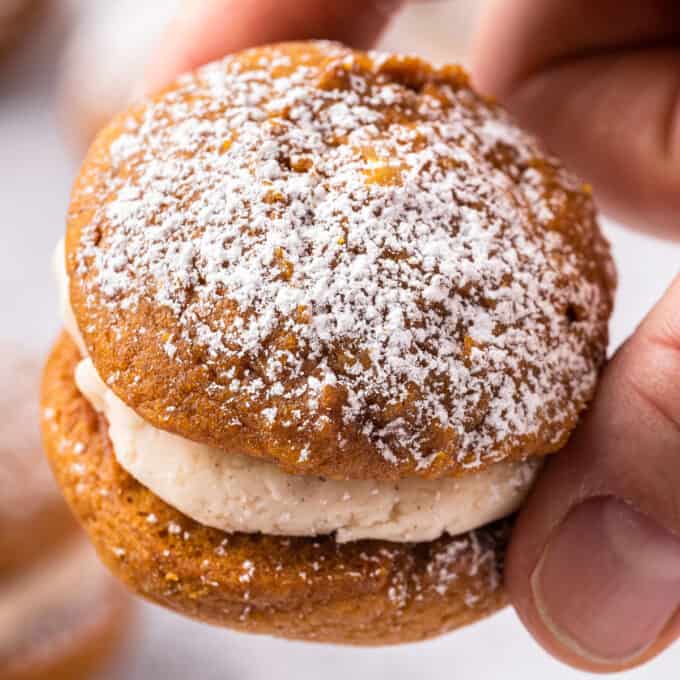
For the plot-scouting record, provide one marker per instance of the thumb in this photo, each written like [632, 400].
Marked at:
[209, 29]
[594, 564]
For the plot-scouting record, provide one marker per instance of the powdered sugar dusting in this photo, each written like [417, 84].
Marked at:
[362, 247]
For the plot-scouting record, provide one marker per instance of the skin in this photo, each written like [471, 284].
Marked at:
[594, 565]
[599, 80]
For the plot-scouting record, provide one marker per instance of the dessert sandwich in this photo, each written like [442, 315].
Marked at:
[326, 312]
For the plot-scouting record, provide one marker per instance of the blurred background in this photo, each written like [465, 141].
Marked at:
[73, 63]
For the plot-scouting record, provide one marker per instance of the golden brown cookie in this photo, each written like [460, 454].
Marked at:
[364, 593]
[61, 619]
[349, 264]
[33, 516]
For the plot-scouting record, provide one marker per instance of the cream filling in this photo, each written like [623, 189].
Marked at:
[236, 492]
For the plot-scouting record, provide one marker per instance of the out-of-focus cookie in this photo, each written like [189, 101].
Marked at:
[33, 515]
[61, 618]
[61, 614]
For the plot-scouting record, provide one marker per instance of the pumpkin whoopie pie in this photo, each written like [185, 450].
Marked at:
[61, 613]
[326, 312]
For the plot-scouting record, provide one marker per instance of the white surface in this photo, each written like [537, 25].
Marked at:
[35, 174]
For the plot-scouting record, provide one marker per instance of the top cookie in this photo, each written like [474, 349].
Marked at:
[348, 263]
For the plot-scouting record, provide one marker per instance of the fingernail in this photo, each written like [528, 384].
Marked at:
[608, 582]
[387, 7]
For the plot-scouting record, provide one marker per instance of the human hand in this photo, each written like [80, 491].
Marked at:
[594, 565]
[206, 30]
[605, 593]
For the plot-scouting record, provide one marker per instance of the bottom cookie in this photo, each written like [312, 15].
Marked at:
[362, 593]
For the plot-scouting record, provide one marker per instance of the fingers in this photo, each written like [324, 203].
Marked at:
[599, 80]
[519, 37]
[208, 29]
[594, 565]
